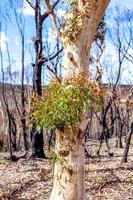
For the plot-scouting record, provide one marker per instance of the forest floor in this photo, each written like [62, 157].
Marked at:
[106, 178]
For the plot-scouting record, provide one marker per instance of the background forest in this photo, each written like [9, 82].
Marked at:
[33, 65]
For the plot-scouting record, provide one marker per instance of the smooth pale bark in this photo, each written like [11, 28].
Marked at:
[69, 176]
[77, 51]
[69, 169]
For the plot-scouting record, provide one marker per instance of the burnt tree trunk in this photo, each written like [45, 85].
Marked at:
[120, 136]
[37, 138]
[128, 140]
[23, 121]
[13, 133]
[37, 142]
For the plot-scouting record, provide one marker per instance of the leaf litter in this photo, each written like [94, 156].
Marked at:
[106, 178]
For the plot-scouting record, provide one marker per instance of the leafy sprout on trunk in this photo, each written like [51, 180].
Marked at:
[64, 104]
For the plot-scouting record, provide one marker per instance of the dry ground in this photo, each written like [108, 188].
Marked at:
[106, 178]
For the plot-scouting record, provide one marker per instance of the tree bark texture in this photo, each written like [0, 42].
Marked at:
[37, 138]
[37, 144]
[77, 51]
[14, 133]
[69, 168]
[128, 140]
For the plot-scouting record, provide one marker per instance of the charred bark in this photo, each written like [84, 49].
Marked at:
[23, 121]
[14, 133]
[37, 138]
[37, 144]
[128, 140]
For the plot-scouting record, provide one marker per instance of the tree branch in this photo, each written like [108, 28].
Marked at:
[46, 14]
[51, 12]
[53, 72]
[31, 4]
[45, 59]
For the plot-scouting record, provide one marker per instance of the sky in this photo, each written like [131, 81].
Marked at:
[126, 3]
[9, 33]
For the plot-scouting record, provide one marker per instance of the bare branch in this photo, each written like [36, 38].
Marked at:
[51, 12]
[49, 58]
[46, 14]
[54, 73]
[31, 4]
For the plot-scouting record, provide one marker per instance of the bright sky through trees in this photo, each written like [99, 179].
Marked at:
[9, 33]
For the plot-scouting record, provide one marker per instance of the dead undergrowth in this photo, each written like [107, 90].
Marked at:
[106, 178]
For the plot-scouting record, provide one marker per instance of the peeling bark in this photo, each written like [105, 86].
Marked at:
[69, 169]
[77, 50]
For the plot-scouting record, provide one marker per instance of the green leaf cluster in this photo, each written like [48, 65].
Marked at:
[65, 103]
[73, 25]
[73, 21]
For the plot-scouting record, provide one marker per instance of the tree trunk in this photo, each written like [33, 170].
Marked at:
[77, 50]
[128, 140]
[120, 139]
[37, 144]
[69, 168]
[23, 114]
[37, 138]
[119, 135]
[14, 133]
[10, 136]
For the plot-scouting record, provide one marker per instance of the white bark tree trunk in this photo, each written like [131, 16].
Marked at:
[77, 51]
[69, 170]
